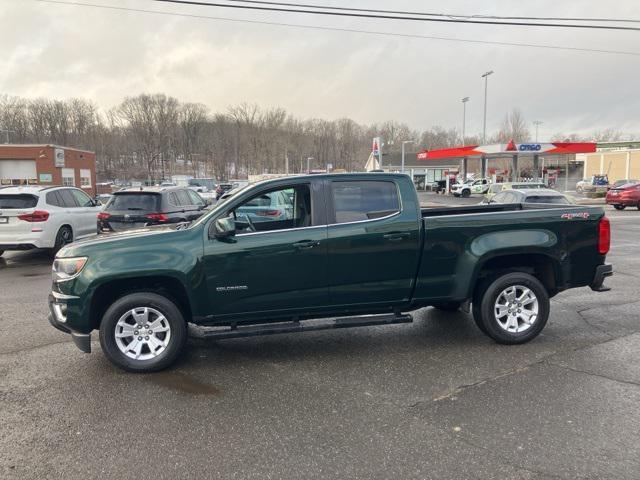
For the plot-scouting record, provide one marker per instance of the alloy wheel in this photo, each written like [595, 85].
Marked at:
[516, 309]
[142, 333]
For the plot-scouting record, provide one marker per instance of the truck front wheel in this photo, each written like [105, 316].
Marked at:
[514, 308]
[466, 193]
[143, 332]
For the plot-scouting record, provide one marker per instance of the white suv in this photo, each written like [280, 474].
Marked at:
[45, 217]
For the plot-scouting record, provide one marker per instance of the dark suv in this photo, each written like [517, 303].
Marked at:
[139, 207]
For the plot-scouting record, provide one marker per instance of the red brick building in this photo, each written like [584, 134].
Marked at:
[47, 165]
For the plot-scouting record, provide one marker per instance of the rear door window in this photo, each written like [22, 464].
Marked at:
[8, 201]
[183, 198]
[148, 202]
[67, 198]
[364, 200]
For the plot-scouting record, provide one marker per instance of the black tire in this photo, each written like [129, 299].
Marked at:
[1, 252]
[466, 193]
[488, 319]
[638, 206]
[620, 207]
[173, 316]
[63, 237]
[447, 306]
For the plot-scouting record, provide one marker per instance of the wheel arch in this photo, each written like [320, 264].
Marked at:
[166, 285]
[544, 267]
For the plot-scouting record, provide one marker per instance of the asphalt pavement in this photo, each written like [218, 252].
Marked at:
[432, 399]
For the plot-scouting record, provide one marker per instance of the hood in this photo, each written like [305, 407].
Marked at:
[113, 240]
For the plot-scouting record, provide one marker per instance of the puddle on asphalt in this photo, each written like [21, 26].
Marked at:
[183, 383]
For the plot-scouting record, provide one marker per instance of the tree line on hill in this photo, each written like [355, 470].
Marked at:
[154, 136]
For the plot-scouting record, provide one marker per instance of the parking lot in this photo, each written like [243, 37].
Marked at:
[431, 399]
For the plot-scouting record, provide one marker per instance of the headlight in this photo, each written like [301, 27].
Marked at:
[67, 268]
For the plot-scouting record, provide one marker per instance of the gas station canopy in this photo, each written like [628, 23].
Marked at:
[511, 148]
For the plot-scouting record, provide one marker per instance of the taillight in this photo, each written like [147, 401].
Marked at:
[604, 236]
[157, 217]
[104, 216]
[37, 216]
[267, 213]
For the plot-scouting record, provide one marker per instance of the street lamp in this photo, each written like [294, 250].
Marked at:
[537, 123]
[484, 125]
[464, 117]
[403, 144]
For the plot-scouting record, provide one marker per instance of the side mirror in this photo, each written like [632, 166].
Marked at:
[224, 227]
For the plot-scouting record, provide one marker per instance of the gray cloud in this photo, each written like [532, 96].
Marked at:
[62, 51]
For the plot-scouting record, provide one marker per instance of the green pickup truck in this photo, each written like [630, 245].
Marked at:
[323, 251]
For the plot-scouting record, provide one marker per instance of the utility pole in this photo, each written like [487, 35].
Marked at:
[484, 125]
[537, 123]
[464, 118]
[309, 164]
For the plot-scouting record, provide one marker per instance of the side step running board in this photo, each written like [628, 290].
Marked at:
[224, 332]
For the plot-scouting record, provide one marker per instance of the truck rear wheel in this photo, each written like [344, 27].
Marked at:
[619, 207]
[143, 332]
[514, 308]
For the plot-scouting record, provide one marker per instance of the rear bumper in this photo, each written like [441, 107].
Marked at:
[602, 272]
[25, 240]
[57, 319]
[17, 246]
[627, 202]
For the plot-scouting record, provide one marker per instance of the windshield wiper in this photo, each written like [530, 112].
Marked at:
[135, 208]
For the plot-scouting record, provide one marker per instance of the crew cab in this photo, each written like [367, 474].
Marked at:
[353, 249]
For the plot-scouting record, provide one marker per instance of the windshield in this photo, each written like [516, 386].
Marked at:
[149, 202]
[8, 201]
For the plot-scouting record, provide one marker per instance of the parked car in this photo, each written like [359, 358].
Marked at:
[356, 245]
[597, 183]
[624, 196]
[534, 195]
[496, 188]
[268, 207]
[45, 217]
[471, 186]
[620, 183]
[103, 198]
[141, 207]
[222, 188]
[203, 185]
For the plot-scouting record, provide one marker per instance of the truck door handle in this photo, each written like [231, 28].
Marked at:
[396, 236]
[306, 244]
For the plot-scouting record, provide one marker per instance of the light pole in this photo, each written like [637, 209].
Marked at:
[537, 123]
[309, 164]
[464, 118]
[403, 144]
[484, 125]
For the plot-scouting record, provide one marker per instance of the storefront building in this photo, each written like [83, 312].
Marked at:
[47, 165]
[618, 160]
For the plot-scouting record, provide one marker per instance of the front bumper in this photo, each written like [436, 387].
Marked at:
[602, 272]
[58, 319]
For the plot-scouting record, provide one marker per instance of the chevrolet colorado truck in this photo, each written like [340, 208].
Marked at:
[323, 251]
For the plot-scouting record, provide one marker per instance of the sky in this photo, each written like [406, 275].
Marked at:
[61, 51]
